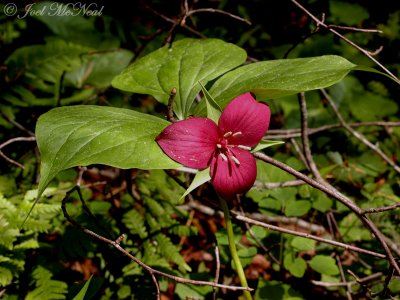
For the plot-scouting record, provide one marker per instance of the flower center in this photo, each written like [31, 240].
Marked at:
[226, 143]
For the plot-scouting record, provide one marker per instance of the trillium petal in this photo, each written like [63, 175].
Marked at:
[190, 142]
[244, 114]
[230, 178]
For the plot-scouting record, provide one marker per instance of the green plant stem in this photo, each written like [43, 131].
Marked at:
[232, 248]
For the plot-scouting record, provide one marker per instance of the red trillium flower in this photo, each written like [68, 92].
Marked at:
[199, 143]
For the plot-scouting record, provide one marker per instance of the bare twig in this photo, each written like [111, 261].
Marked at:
[362, 50]
[362, 281]
[170, 115]
[385, 290]
[299, 223]
[296, 132]
[213, 10]
[299, 152]
[351, 283]
[335, 233]
[16, 124]
[355, 29]
[309, 236]
[296, 222]
[358, 135]
[373, 210]
[274, 185]
[217, 270]
[13, 140]
[304, 137]
[343, 277]
[172, 21]
[150, 270]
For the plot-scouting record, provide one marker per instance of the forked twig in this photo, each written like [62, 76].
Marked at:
[358, 135]
[329, 190]
[150, 270]
[321, 23]
[308, 236]
[13, 140]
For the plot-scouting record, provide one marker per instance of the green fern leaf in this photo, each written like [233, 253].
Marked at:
[134, 221]
[46, 288]
[171, 252]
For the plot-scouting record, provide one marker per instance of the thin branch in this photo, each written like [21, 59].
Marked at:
[299, 223]
[217, 271]
[343, 277]
[296, 132]
[362, 50]
[296, 222]
[358, 135]
[212, 10]
[275, 185]
[172, 21]
[299, 152]
[351, 283]
[171, 99]
[13, 140]
[16, 124]
[333, 229]
[309, 236]
[373, 210]
[158, 293]
[152, 272]
[361, 281]
[304, 137]
[355, 29]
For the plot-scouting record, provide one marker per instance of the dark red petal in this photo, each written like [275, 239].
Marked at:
[230, 179]
[244, 114]
[190, 142]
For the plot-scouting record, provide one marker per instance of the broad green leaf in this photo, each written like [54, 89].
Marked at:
[213, 109]
[394, 285]
[350, 14]
[320, 201]
[246, 256]
[265, 144]
[370, 107]
[297, 208]
[82, 292]
[278, 78]
[295, 265]
[182, 66]
[324, 264]
[201, 177]
[302, 244]
[83, 135]
[275, 290]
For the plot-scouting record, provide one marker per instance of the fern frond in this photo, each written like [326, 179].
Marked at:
[134, 221]
[168, 250]
[46, 288]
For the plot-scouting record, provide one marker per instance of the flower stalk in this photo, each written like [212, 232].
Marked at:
[232, 248]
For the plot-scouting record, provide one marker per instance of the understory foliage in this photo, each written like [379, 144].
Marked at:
[58, 61]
